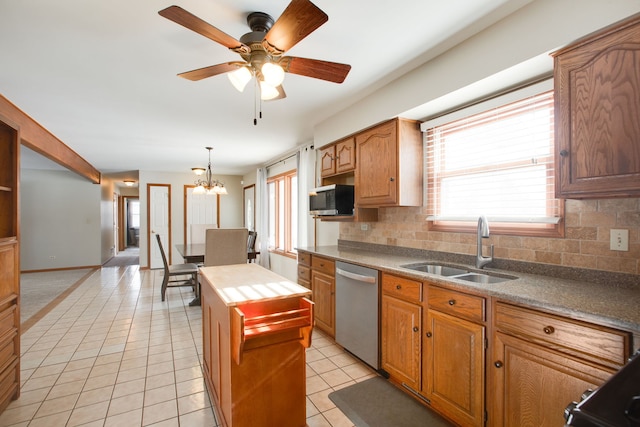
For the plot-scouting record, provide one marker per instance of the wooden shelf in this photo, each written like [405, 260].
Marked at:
[3, 188]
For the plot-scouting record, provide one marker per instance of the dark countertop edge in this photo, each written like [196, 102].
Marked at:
[573, 298]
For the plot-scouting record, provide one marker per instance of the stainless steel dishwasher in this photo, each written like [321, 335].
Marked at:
[357, 308]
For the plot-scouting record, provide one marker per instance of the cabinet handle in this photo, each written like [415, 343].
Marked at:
[498, 364]
[564, 153]
[398, 287]
[392, 179]
[548, 330]
[415, 329]
[452, 302]
[428, 334]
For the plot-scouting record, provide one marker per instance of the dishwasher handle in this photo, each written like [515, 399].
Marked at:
[355, 276]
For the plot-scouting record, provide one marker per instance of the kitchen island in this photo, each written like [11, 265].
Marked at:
[256, 326]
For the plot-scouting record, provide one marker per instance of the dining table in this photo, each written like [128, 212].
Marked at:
[194, 253]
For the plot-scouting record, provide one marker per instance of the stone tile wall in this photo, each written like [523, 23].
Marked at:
[585, 245]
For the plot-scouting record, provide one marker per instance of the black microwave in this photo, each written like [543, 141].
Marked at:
[336, 199]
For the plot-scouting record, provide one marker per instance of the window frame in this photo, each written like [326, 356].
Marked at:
[283, 248]
[533, 229]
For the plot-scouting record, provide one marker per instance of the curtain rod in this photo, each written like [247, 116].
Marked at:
[286, 158]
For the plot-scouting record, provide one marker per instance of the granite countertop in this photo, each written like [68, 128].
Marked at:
[244, 283]
[607, 304]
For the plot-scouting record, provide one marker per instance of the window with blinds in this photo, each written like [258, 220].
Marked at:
[498, 163]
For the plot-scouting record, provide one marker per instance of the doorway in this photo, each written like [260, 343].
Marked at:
[129, 223]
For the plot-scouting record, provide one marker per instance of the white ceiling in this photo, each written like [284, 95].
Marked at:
[101, 75]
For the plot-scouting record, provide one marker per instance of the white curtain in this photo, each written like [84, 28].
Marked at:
[306, 166]
[262, 217]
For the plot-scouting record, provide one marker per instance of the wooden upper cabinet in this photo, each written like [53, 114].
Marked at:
[597, 83]
[338, 158]
[390, 160]
[327, 161]
[346, 155]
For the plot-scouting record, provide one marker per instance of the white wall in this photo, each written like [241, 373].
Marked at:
[60, 220]
[522, 40]
[512, 51]
[230, 206]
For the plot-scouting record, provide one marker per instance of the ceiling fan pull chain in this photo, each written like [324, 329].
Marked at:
[255, 102]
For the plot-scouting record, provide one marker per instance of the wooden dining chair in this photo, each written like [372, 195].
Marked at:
[251, 246]
[174, 273]
[225, 246]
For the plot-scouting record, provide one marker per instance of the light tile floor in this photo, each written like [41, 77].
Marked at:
[112, 354]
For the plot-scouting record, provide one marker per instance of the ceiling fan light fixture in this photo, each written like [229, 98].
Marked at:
[267, 91]
[239, 78]
[273, 74]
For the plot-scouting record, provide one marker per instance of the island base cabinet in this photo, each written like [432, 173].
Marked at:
[533, 385]
[254, 357]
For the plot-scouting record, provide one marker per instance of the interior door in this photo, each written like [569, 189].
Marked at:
[159, 202]
[200, 209]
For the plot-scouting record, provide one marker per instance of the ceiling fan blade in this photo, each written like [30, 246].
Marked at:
[323, 70]
[213, 70]
[193, 23]
[297, 21]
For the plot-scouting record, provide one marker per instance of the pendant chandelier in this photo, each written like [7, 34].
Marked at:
[207, 185]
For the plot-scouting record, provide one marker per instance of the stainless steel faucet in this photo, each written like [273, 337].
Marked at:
[483, 233]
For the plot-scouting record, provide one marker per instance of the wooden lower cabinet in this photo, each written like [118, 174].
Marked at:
[533, 385]
[542, 362]
[401, 330]
[453, 371]
[9, 323]
[323, 290]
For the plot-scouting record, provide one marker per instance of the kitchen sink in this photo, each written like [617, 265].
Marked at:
[460, 272]
[440, 270]
[484, 278]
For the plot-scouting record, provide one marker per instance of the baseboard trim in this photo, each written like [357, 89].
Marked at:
[61, 269]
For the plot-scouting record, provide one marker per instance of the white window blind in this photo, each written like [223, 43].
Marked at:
[498, 163]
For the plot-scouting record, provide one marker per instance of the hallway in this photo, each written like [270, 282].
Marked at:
[112, 354]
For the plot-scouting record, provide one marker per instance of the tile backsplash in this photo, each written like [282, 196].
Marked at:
[585, 245]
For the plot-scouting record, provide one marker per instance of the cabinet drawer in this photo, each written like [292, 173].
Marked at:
[304, 258]
[591, 342]
[470, 307]
[410, 290]
[7, 320]
[304, 273]
[323, 265]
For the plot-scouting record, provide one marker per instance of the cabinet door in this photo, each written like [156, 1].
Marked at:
[453, 370]
[377, 172]
[597, 129]
[533, 385]
[401, 340]
[323, 291]
[346, 155]
[327, 161]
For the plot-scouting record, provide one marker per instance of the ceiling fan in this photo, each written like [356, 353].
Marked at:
[263, 48]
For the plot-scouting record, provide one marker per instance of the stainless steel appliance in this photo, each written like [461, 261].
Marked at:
[616, 403]
[335, 199]
[357, 311]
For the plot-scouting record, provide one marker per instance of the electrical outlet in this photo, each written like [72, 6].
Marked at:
[52, 257]
[619, 240]
[364, 227]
